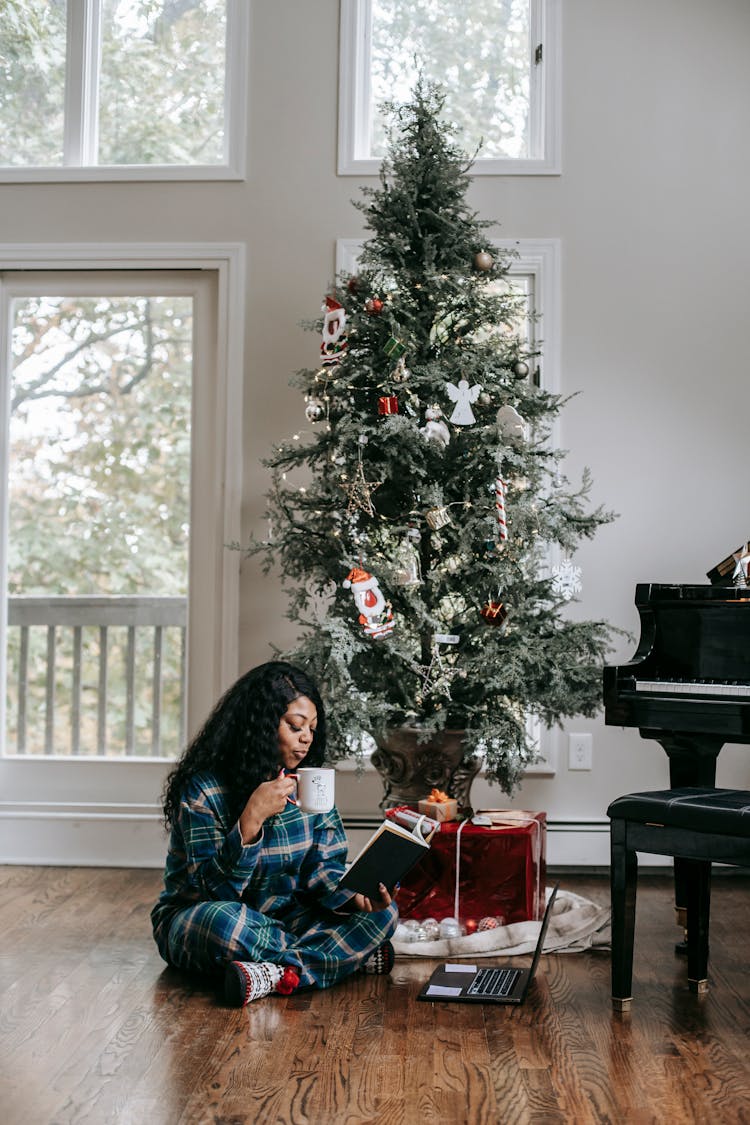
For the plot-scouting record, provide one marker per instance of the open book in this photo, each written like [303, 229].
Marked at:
[385, 858]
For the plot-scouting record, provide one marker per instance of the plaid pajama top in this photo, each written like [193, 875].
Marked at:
[298, 859]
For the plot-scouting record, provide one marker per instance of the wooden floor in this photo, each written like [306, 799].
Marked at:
[94, 1028]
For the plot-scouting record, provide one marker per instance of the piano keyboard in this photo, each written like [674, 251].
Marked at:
[722, 690]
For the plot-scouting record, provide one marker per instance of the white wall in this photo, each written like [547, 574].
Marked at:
[650, 210]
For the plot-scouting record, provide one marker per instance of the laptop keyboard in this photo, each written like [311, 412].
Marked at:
[493, 982]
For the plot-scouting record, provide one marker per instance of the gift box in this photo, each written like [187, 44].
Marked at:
[388, 404]
[495, 869]
[393, 347]
[445, 809]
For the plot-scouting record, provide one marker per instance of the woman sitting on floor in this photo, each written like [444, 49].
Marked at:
[250, 880]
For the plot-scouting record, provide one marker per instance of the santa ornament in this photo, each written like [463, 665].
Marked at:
[334, 341]
[375, 615]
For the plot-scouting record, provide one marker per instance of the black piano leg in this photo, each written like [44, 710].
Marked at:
[698, 910]
[623, 880]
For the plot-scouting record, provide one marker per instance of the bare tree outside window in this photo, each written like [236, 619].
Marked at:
[99, 499]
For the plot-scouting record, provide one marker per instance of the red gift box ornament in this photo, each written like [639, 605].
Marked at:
[388, 404]
[494, 613]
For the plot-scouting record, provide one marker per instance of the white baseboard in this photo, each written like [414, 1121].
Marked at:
[88, 835]
[81, 835]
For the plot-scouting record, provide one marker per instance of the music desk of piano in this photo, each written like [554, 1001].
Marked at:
[688, 685]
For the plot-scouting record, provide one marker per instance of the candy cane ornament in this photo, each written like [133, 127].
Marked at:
[501, 489]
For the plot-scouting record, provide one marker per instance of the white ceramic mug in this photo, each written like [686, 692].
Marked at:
[316, 789]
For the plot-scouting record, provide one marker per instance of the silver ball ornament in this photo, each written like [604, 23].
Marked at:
[483, 261]
[520, 369]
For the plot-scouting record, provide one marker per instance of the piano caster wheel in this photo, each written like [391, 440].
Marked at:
[621, 1004]
[699, 987]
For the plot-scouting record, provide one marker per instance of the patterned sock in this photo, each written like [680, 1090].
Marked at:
[380, 960]
[250, 980]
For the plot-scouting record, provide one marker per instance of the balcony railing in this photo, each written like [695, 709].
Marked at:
[96, 677]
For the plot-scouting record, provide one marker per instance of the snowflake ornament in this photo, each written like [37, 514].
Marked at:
[566, 580]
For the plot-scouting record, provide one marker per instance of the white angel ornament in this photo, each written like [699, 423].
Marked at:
[463, 395]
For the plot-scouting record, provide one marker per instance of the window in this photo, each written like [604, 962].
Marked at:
[498, 64]
[122, 89]
[98, 522]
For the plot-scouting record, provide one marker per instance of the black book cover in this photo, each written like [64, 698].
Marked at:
[385, 858]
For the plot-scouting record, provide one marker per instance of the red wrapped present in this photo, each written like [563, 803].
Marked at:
[479, 871]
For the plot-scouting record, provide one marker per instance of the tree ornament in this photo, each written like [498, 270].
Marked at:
[408, 568]
[463, 395]
[494, 612]
[488, 923]
[400, 372]
[352, 285]
[434, 428]
[520, 369]
[375, 615]
[435, 675]
[314, 410]
[373, 306]
[566, 580]
[334, 341]
[387, 404]
[437, 518]
[510, 423]
[360, 490]
[485, 398]
[501, 491]
[483, 261]
[393, 347]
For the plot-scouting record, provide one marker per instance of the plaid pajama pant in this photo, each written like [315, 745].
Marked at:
[270, 901]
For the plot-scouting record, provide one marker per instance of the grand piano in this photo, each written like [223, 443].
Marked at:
[688, 684]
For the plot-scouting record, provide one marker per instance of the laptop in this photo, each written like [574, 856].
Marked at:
[491, 984]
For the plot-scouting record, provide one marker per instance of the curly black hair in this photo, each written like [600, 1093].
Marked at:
[239, 741]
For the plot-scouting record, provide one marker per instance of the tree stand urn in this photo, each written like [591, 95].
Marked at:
[410, 768]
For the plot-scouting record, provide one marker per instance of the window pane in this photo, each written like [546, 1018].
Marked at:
[479, 50]
[170, 57]
[99, 501]
[32, 82]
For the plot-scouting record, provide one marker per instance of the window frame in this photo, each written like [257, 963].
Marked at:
[540, 259]
[80, 135]
[546, 96]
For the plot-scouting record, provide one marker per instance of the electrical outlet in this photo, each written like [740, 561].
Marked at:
[580, 751]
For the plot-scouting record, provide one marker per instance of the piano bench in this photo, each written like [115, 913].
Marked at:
[696, 826]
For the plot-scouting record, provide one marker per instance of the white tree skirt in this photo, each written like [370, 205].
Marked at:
[576, 924]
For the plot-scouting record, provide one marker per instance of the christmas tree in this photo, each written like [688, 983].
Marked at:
[413, 521]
